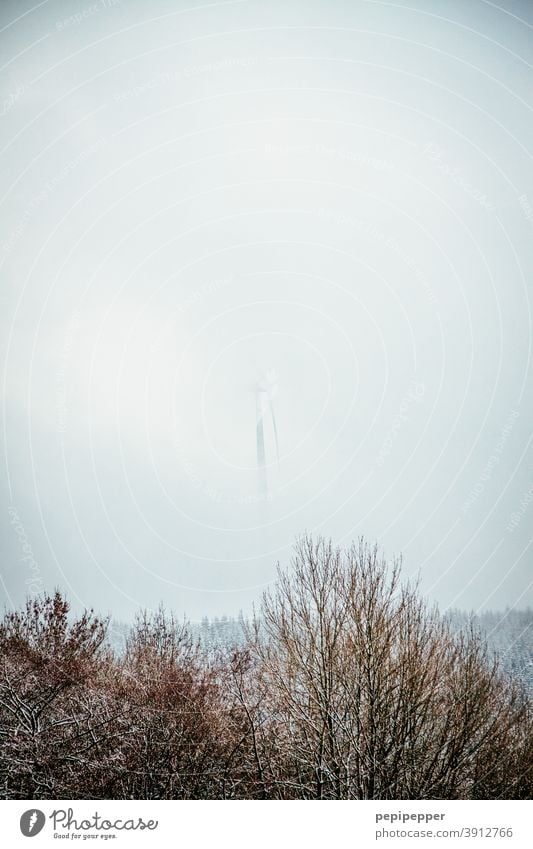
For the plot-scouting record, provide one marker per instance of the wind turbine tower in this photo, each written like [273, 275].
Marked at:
[264, 403]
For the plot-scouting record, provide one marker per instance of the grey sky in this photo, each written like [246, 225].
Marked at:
[194, 194]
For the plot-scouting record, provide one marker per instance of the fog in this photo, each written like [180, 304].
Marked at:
[333, 197]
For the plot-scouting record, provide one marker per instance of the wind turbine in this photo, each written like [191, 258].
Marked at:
[265, 391]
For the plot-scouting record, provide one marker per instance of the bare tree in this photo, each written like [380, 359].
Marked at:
[346, 685]
[367, 693]
[177, 739]
[45, 661]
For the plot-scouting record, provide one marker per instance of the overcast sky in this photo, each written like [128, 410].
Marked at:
[195, 195]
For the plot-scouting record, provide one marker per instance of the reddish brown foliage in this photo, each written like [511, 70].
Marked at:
[348, 686]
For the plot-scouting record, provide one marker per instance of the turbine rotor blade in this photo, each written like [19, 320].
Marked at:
[260, 443]
[275, 428]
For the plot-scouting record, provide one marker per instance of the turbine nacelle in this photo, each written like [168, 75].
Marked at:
[268, 384]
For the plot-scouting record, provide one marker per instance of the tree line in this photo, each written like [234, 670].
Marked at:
[346, 685]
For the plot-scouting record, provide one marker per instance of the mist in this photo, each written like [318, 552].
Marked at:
[333, 197]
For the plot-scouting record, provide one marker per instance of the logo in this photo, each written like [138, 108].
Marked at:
[31, 822]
